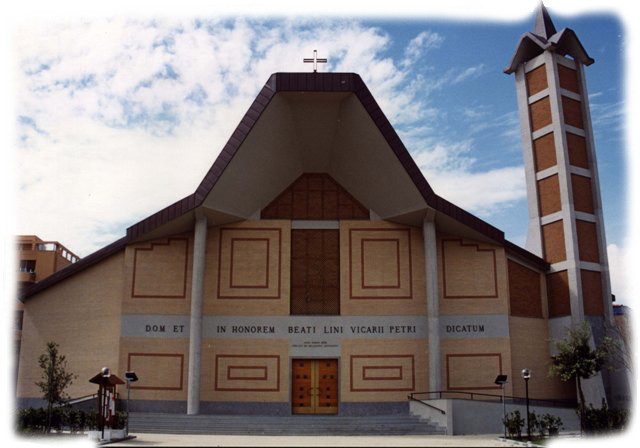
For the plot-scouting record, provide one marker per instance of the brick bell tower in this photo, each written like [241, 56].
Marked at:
[566, 225]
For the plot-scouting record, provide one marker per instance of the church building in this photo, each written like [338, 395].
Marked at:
[315, 271]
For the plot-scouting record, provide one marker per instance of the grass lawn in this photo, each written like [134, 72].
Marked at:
[63, 439]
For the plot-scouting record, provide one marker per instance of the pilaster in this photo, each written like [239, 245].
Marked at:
[433, 300]
[195, 329]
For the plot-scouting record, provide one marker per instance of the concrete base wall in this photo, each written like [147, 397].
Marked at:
[439, 412]
[482, 417]
[232, 408]
[380, 408]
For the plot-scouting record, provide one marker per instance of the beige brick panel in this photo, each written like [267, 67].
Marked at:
[381, 269]
[245, 370]
[82, 315]
[471, 365]
[474, 284]
[247, 269]
[161, 365]
[382, 370]
[158, 276]
[530, 349]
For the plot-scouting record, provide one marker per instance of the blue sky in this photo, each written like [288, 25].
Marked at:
[118, 114]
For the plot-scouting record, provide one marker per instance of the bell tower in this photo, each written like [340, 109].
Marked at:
[565, 225]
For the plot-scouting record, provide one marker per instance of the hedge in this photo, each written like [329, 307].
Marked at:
[34, 420]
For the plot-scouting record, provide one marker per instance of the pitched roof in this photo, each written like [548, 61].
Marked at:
[294, 82]
[543, 26]
[545, 37]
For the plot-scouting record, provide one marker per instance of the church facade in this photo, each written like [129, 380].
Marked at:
[315, 271]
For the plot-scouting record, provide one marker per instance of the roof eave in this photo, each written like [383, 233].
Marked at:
[567, 42]
[526, 256]
[529, 46]
[74, 268]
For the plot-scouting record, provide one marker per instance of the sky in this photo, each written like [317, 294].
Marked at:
[119, 114]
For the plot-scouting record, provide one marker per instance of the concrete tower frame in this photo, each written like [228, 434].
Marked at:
[543, 63]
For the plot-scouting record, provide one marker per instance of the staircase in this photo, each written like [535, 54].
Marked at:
[403, 424]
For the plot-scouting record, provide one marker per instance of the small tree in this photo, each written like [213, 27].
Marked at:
[55, 379]
[576, 360]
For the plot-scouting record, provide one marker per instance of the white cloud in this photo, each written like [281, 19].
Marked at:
[606, 115]
[483, 193]
[468, 73]
[620, 271]
[121, 117]
[419, 45]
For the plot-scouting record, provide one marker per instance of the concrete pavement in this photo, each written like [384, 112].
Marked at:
[262, 441]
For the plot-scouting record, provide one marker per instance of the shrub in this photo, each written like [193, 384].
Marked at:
[535, 423]
[92, 420]
[119, 420]
[604, 419]
[514, 424]
[34, 420]
[73, 420]
[551, 424]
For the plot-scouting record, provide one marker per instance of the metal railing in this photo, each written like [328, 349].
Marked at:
[426, 404]
[440, 394]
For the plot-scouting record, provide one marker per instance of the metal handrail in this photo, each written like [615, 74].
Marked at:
[76, 400]
[473, 395]
[426, 404]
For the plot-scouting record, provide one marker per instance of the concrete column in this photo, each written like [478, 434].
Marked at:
[433, 300]
[534, 232]
[195, 329]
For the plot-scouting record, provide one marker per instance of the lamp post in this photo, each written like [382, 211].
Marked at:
[106, 373]
[502, 380]
[526, 375]
[131, 377]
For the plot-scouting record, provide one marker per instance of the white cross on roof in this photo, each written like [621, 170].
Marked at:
[315, 60]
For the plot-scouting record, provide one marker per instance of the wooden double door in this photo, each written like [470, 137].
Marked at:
[315, 386]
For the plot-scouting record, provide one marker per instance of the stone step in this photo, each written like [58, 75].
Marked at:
[396, 424]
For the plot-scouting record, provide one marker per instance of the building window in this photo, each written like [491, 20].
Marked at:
[27, 266]
[47, 247]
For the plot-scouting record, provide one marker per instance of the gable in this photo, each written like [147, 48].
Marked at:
[315, 196]
[307, 122]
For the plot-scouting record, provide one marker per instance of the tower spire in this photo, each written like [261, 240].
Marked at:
[543, 26]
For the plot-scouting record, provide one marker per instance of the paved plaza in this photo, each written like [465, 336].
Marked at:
[223, 440]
